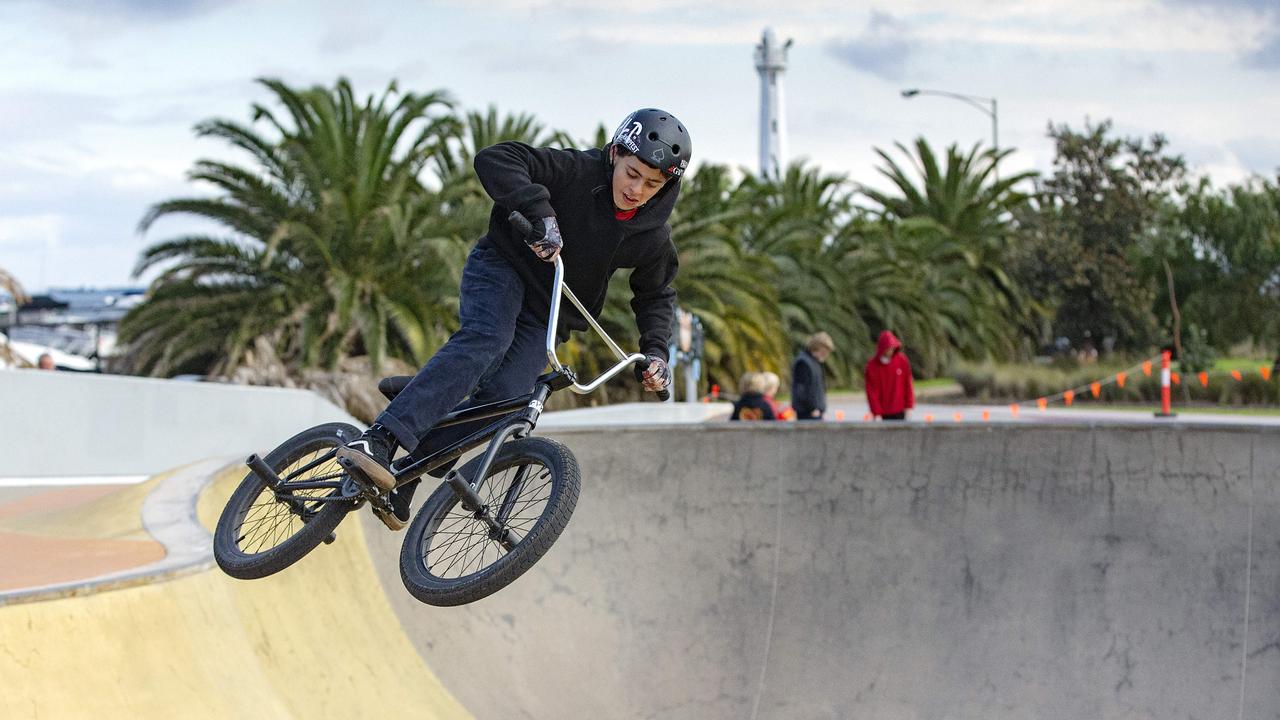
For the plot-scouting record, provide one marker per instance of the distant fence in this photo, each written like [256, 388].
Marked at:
[59, 424]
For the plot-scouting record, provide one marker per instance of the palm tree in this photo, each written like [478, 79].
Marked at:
[731, 288]
[969, 226]
[792, 223]
[332, 246]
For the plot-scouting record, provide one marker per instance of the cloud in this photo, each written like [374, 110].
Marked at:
[1262, 15]
[1266, 57]
[351, 34]
[883, 49]
[159, 10]
[1257, 5]
[1258, 154]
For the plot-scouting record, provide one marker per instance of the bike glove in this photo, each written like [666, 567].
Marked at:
[655, 376]
[545, 240]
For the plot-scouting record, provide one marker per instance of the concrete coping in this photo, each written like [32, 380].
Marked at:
[169, 516]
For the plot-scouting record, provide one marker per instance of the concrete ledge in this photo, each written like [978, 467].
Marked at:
[169, 516]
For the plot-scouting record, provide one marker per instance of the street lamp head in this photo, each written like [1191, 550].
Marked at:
[910, 93]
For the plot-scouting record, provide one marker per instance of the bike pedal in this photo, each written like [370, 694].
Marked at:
[332, 537]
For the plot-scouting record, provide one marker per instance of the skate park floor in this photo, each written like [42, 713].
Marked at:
[716, 570]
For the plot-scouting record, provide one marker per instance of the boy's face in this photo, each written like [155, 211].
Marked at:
[634, 183]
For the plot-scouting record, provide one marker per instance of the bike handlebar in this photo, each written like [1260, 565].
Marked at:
[558, 289]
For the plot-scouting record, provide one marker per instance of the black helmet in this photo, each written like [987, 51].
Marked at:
[658, 139]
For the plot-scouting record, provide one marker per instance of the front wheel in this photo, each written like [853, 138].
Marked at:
[263, 531]
[452, 556]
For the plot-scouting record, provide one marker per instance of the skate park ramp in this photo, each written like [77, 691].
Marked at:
[747, 571]
[795, 572]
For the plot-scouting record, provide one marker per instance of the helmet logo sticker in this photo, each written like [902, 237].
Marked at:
[658, 155]
[627, 135]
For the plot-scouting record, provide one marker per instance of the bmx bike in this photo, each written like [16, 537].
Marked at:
[485, 525]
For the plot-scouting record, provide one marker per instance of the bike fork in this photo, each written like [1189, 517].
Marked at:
[466, 489]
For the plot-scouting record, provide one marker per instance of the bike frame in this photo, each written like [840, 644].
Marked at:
[519, 415]
[516, 417]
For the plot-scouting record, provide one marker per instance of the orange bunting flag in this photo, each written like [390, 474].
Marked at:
[1069, 396]
[1014, 410]
[839, 416]
[1266, 372]
[1095, 389]
[1236, 374]
[928, 418]
[1146, 368]
[1042, 403]
[1204, 378]
[1120, 378]
[1176, 378]
[868, 417]
[957, 417]
[986, 415]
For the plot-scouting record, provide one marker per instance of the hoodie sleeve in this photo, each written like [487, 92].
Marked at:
[871, 387]
[653, 298]
[518, 176]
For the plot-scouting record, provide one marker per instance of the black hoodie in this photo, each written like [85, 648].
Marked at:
[575, 187]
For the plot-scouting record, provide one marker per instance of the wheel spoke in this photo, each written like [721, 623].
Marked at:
[460, 544]
[270, 521]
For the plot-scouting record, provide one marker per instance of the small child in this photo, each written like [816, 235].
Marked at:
[751, 404]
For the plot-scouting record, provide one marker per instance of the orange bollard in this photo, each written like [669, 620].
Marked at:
[986, 415]
[1165, 377]
[957, 417]
[839, 416]
[1014, 410]
[928, 418]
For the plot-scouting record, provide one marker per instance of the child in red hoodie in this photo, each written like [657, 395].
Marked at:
[888, 380]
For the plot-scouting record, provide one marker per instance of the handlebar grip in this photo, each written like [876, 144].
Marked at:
[520, 223]
[664, 394]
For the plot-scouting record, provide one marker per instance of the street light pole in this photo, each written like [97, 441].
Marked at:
[985, 104]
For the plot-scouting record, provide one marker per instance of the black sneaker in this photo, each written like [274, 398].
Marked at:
[370, 456]
[400, 499]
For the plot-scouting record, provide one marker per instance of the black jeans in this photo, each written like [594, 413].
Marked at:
[895, 416]
[497, 354]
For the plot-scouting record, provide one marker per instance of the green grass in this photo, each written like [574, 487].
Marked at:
[1241, 364]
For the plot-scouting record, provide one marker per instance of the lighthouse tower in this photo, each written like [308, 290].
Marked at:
[771, 61]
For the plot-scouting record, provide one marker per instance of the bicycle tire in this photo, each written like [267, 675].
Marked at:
[310, 445]
[443, 519]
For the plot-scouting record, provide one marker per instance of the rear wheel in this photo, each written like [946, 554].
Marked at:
[263, 531]
[452, 556]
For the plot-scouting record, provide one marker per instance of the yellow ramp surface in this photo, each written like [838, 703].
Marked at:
[316, 641]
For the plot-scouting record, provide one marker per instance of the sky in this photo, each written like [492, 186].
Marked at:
[98, 98]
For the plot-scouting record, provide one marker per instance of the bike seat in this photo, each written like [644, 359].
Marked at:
[391, 386]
